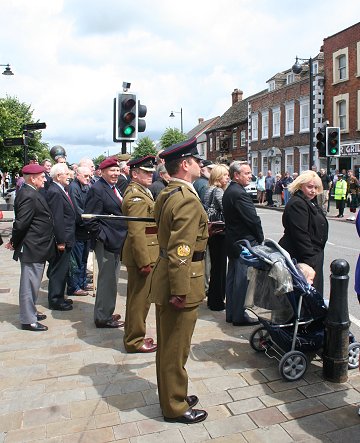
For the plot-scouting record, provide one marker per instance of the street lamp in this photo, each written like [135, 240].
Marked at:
[297, 68]
[181, 117]
[7, 70]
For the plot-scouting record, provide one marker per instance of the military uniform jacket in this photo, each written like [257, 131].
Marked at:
[33, 230]
[182, 230]
[141, 247]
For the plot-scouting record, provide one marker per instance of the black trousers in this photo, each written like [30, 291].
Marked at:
[217, 284]
[57, 274]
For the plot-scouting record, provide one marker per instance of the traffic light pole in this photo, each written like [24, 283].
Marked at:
[311, 111]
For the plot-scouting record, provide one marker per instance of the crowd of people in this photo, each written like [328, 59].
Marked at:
[179, 244]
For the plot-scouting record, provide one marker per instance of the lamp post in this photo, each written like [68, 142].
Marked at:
[181, 117]
[7, 70]
[297, 68]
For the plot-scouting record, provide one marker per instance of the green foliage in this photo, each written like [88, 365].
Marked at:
[13, 115]
[171, 137]
[99, 159]
[144, 147]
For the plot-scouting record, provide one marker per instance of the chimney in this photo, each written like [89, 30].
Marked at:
[236, 96]
[200, 120]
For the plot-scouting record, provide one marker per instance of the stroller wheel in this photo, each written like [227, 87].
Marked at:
[260, 339]
[354, 353]
[293, 365]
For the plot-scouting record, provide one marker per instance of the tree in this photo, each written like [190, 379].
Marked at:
[145, 147]
[171, 137]
[99, 159]
[13, 116]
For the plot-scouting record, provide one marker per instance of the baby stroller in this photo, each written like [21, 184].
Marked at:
[291, 312]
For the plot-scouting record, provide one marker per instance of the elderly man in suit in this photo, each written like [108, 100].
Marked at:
[33, 241]
[64, 216]
[141, 249]
[107, 237]
[177, 285]
[242, 222]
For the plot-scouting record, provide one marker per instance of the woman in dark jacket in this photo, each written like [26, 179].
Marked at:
[306, 227]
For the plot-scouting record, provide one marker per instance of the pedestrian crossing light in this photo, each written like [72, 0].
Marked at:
[333, 142]
[321, 143]
[127, 107]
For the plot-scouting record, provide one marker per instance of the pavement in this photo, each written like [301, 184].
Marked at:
[76, 384]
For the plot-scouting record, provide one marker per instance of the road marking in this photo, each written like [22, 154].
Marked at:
[342, 247]
[354, 320]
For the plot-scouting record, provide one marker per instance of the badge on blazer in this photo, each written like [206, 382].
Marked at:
[183, 250]
[136, 199]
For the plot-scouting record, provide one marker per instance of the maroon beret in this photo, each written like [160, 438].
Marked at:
[33, 169]
[109, 163]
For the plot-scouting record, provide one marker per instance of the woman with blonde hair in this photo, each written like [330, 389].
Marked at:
[218, 181]
[305, 225]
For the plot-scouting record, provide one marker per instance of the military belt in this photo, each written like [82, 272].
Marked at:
[197, 255]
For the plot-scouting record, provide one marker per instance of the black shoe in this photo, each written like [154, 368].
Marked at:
[61, 307]
[247, 321]
[40, 316]
[190, 416]
[192, 400]
[34, 327]
[68, 301]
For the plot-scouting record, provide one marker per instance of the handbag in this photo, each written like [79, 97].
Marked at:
[216, 218]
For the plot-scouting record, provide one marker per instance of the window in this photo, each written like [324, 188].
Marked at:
[358, 110]
[210, 143]
[290, 78]
[254, 127]
[271, 86]
[304, 161]
[254, 165]
[276, 122]
[289, 163]
[264, 165]
[358, 59]
[304, 115]
[234, 139]
[289, 119]
[341, 111]
[217, 146]
[265, 125]
[340, 65]
[243, 138]
[315, 68]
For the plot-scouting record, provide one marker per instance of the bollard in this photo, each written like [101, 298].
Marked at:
[336, 341]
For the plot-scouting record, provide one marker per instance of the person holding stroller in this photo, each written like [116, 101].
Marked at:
[305, 225]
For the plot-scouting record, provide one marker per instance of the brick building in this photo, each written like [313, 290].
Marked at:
[279, 121]
[342, 93]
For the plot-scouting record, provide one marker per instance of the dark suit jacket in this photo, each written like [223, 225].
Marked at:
[241, 219]
[122, 183]
[102, 200]
[78, 194]
[33, 227]
[63, 214]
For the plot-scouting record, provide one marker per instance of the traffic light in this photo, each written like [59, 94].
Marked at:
[141, 123]
[333, 142]
[321, 143]
[126, 117]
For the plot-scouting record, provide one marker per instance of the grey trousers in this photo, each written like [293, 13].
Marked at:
[30, 281]
[108, 276]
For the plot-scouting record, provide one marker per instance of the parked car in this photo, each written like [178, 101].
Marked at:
[251, 188]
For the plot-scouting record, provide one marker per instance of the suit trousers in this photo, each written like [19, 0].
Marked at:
[137, 308]
[216, 293]
[174, 331]
[236, 287]
[57, 273]
[108, 276]
[30, 281]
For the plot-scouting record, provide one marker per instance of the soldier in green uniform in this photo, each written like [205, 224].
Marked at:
[177, 285]
[141, 249]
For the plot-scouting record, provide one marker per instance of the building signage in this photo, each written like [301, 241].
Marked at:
[351, 149]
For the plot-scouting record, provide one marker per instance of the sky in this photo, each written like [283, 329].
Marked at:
[70, 58]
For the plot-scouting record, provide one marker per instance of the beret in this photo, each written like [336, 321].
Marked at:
[109, 162]
[185, 148]
[33, 169]
[146, 163]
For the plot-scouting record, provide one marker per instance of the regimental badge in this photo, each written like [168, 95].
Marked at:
[136, 199]
[183, 250]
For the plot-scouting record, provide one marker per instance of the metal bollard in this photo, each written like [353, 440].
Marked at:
[336, 342]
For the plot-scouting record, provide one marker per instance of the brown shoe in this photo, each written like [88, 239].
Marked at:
[116, 317]
[146, 347]
[80, 292]
[190, 416]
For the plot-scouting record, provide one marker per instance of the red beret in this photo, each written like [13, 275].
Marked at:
[33, 169]
[109, 162]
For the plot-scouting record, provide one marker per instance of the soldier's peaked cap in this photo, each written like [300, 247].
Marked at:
[146, 163]
[186, 148]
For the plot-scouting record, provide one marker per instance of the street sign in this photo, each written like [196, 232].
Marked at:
[14, 141]
[34, 126]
